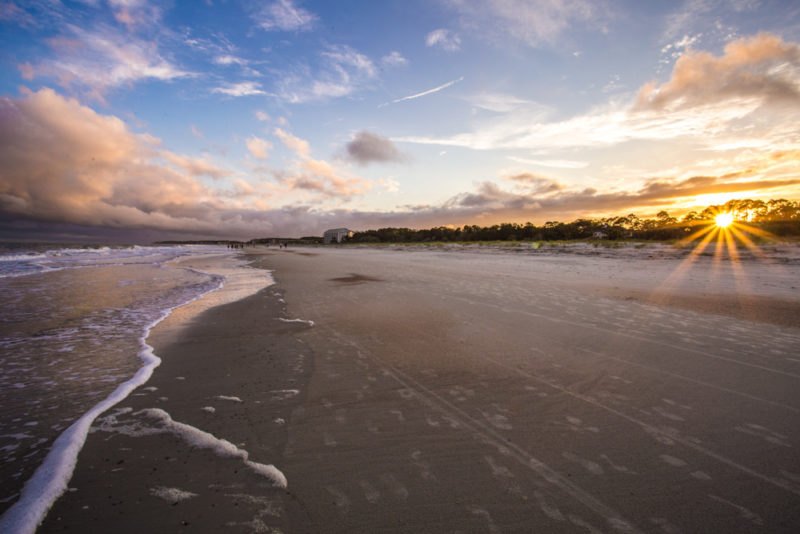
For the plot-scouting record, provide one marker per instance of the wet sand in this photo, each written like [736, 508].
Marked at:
[460, 392]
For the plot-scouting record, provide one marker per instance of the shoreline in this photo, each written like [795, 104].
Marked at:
[411, 392]
[140, 455]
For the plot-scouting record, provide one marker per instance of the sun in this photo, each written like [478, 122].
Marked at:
[723, 220]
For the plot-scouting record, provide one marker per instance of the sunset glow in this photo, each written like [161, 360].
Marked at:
[723, 220]
[137, 120]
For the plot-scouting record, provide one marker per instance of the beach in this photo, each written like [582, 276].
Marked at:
[425, 390]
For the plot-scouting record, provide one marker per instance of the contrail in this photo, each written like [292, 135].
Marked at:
[424, 93]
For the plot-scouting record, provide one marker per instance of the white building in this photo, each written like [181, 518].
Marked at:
[336, 234]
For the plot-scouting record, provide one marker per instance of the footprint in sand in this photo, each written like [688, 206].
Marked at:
[497, 420]
[432, 421]
[577, 425]
[498, 470]
[678, 404]
[395, 486]
[668, 415]
[370, 493]
[483, 512]
[764, 433]
[744, 513]
[341, 416]
[615, 467]
[580, 522]
[550, 510]
[593, 467]
[423, 466]
[665, 526]
[671, 460]
[341, 500]
[407, 394]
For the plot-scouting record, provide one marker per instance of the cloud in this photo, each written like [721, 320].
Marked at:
[102, 59]
[535, 183]
[134, 13]
[394, 59]
[240, 89]
[283, 15]
[228, 59]
[554, 163]
[543, 199]
[63, 162]
[499, 103]
[196, 166]
[763, 67]
[444, 39]
[263, 116]
[532, 23]
[750, 93]
[258, 147]
[425, 93]
[367, 147]
[342, 70]
[13, 13]
[299, 146]
[316, 176]
[66, 168]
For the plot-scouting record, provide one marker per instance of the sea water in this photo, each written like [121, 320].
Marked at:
[72, 329]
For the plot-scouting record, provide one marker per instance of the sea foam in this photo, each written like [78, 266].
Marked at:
[50, 479]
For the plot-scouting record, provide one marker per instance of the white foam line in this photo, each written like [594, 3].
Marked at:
[50, 479]
[204, 440]
[309, 323]
[228, 398]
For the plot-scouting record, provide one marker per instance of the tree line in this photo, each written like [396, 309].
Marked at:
[778, 217]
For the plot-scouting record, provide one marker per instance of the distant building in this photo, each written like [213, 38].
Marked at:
[336, 234]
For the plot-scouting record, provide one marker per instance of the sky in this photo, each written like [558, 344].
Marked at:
[138, 120]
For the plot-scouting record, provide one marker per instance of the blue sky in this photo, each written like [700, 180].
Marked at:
[254, 118]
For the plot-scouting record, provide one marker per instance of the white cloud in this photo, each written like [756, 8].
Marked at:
[342, 71]
[553, 163]
[394, 59]
[228, 59]
[258, 147]
[104, 58]
[134, 13]
[283, 15]
[533, 23]
[240, 89]
[498, 102]
[444, 39]
[295, 144]
[751, 92]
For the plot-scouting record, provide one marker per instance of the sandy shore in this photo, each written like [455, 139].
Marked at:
[459, 392]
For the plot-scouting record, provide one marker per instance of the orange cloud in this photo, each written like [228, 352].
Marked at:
[62, 161]
[762, 67]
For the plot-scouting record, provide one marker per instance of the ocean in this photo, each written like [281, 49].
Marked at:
[73, 328]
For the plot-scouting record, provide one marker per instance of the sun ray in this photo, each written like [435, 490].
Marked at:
[742, 236]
